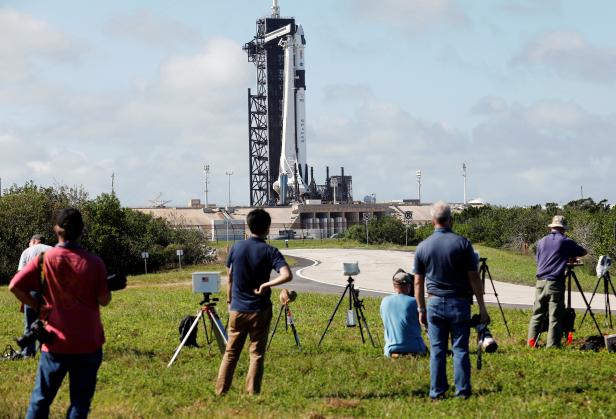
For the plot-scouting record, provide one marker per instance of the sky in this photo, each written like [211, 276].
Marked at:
[521, 91]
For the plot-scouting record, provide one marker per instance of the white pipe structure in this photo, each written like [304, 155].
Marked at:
[293, 153]
[275, 9]
[464, 175]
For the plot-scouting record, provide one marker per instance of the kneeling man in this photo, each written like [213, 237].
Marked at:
[400, 320]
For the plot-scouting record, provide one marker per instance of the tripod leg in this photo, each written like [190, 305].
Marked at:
[333, 314]
[359, 323]
[497, 299]
[579, 287]
[208, 336]
[218, 330]
[179, 348]
[362, 319]
[291, 323]
[590, 302]
[275, 327]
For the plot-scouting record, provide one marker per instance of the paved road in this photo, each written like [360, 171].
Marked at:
[320, 270]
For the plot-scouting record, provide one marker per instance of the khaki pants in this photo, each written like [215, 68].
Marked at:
[549, 309]
[242, 324]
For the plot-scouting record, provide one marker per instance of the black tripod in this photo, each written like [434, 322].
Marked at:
[288, 322]
[483, 272]
[570, 273]
[607, 283]
[355, 312]
[218, 331]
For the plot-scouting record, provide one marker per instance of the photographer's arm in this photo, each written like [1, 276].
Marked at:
[229, 281]
[104, 299]
[24, 297]
[475, 282]
[421, 299]
[283, 277]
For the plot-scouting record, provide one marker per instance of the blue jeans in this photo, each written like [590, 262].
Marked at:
[52, 368]
[449, 316]
[30, 316]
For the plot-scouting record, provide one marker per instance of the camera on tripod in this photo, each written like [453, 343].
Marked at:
[573, 262]
[603, 265]
[35, 332]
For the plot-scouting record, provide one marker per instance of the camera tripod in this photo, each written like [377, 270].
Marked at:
[484, 271]
[607, 283]
[288, 322]
[356, 311]
[218, 332]
[570, 273]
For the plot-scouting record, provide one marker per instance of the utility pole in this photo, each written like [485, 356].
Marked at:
[229, 173]
[464, 176]
[206, 171]
[418, 176]
[112, 183]
[581, 192]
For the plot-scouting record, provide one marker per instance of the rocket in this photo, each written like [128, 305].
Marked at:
[293, 153]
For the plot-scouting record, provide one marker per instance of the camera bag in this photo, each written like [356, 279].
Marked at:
[184, 327]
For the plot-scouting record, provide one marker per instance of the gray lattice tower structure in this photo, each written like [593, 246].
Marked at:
[265, 110]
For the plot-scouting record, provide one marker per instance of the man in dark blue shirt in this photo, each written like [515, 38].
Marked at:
[249, 266]
[447, 264]
[553, 252]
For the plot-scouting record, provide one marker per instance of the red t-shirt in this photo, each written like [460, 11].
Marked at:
[74, 279]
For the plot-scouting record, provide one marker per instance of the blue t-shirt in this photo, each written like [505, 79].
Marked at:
[402, 331]
[445, 259]
[251, 262]
[553, 251]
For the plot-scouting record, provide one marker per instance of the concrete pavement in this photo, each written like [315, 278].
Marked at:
[378, 266]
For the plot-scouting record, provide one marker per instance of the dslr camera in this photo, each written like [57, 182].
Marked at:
[35, 332]
[484, 336]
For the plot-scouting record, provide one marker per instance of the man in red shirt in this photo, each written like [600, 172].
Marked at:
[73, 288]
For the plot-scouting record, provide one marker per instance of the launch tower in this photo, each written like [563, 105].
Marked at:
[276, 112]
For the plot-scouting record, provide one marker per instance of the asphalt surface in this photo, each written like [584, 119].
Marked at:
[302, 284]
[320, 270]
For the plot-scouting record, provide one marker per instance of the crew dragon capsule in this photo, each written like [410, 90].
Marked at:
[293, 154]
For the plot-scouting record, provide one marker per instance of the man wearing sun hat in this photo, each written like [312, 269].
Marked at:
[400, 319]
[553, 252]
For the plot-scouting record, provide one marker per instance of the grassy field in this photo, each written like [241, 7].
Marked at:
[343, 378]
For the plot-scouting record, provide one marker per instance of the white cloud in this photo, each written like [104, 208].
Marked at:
[569, 54]
[24, 39]
[544, 151]
[155, 137]
[412, 15]
[156, 31]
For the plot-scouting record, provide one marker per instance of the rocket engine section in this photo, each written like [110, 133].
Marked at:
[293, 153]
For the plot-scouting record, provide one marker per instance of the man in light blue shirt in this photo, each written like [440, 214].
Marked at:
[400, 319]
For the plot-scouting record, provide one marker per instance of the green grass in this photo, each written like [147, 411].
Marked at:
[342, 378]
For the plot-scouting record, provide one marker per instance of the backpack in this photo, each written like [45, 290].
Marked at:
[185, 327]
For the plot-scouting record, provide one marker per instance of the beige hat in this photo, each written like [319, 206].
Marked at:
[558, 221]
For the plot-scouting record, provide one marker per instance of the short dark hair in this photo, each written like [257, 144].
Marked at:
[70, 222]
[259, 221]
[38, 237]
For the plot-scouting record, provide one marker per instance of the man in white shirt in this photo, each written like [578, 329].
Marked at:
[35, 248]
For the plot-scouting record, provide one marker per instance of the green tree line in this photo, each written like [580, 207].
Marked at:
[118, 235]
[592, 224]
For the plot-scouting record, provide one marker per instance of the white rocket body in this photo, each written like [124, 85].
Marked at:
[293, 152]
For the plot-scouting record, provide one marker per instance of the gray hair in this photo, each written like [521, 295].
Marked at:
[440, 211]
